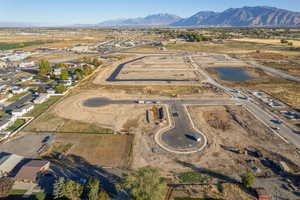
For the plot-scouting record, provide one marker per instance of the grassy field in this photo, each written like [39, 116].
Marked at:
[102, 150]
[233, 47]
[16, 97]
[18, 123]
[17, 194]
[51, 122]
[40, 108]
[7, 46]
[192, 177]
[296, 43]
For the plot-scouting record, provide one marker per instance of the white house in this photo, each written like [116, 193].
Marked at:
[6, 121]
[27, 64]
[18, 90]
[26, 78]
[22, 111]
[57, 71]
[41, 98]
[2, 64]
[66, 82]
[51, 91]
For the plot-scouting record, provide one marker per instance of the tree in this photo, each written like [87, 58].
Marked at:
[283, 41]
[93, 186]
[248, 178]
[145, 184]
[73, 190]
[60, 88]
[64, 75]
[6, 184]
[79, 75]
[59, 188]
[103, 196]
[96, 62]
[87, 70]
[44, 68]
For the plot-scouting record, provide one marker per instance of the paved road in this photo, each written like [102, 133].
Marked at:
[19, 103]
[285, 133]
[179, 137]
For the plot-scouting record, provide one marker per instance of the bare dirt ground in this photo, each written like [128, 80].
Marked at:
[113, 116]
[152, 67]
[234, 127]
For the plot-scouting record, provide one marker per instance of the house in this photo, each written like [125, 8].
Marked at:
[22, 111]
[26, 78]
[66, 82]
[41, 98]
[57, 71]
[31, 171]
[6, 121]
[18, 90]
[27, 64]
[262, 194]
[51, 91]
[2, 64]
[8, 163]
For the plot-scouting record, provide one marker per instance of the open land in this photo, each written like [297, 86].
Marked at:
[168, 108]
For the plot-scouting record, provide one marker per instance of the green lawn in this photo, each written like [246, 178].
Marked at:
[192, 177]
[18, 123]
[40, 108]
[17, 195]
[16, 97]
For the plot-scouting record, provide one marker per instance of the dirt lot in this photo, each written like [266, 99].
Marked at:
[101, 150]
[112, 116]
[288, 93]
[231, 127]
[152, 67]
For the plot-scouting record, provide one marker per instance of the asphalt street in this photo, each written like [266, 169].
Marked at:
[180, 136]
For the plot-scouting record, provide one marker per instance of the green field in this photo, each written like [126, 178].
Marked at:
[18, 123]
[7, 46]
[192, 177]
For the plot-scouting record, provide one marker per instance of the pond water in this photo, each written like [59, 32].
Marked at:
[233, 74]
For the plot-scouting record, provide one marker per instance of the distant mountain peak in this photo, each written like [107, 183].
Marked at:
[245, 16]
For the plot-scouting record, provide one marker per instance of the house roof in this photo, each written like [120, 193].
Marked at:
[29, 170]
[9, 162]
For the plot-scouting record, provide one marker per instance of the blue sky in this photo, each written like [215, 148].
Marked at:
[60, 12]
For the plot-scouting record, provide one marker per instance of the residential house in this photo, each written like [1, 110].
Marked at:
[57, 71]
[66, 82]
[31, 171]
[27, 64]
[6, 121]
[3, 64]
[8, 163]
[18, 90]
[22, 111]
[41, 98]
[51, 91]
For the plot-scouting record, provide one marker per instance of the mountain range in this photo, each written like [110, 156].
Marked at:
[161, 19]
[233, 17]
